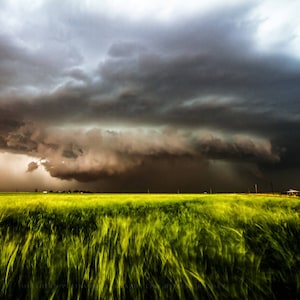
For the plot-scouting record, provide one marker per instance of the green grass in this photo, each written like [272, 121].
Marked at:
[92, 246]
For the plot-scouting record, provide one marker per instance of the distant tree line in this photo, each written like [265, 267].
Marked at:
[66, 191]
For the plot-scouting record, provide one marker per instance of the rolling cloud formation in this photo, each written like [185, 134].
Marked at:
[120, 100]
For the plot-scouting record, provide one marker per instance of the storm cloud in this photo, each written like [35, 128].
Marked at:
[117, 99]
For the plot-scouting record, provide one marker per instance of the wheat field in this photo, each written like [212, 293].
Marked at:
[154, 246]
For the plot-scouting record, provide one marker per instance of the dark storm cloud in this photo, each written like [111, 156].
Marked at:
[203, 72]
[153, 76]
[94, 154]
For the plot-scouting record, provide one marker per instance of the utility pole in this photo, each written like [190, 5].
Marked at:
[255, 186]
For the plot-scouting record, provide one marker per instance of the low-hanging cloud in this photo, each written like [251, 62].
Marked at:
[32, 166]
[87, 155]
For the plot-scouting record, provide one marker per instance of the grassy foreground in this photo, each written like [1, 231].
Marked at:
[73, 246]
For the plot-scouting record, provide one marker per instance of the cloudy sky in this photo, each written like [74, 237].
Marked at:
[124, 96]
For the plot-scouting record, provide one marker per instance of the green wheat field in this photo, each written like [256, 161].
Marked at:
[149, 246]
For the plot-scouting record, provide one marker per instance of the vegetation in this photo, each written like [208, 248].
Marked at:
[92, 246]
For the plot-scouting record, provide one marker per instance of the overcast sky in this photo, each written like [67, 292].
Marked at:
[124, 96]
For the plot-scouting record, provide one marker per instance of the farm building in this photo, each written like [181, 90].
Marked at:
[292, 192]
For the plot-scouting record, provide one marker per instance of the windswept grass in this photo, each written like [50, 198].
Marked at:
[66, 246]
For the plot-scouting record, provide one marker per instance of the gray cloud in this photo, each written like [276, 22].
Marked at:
[203, 76]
